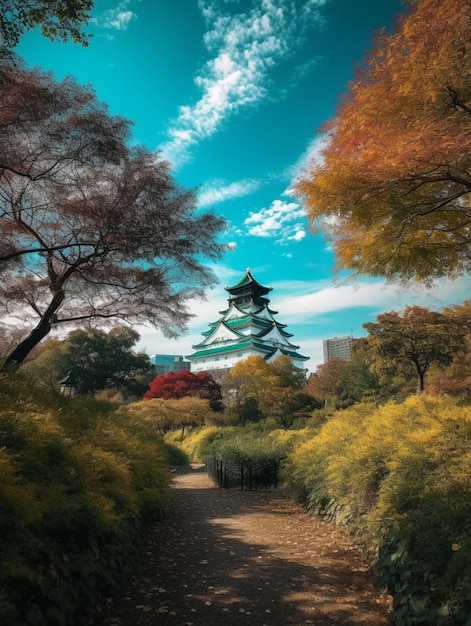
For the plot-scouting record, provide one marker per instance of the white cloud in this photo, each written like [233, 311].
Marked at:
[218, 191]
[306, 307]
[298, 235]
[118, 18]
[244, 47]
[310, 157]
[304, 302]
[283, 221]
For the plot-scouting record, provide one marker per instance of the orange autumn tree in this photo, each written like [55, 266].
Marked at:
[392, 189]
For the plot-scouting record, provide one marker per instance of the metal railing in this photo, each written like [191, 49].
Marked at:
[248, 476]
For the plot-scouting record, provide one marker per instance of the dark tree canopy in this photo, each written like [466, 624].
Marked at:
[59, 20]
[91, 229]
[414, 339]
[285, 405]
[99, 359]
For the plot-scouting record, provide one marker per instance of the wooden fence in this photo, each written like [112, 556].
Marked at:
[248, 476]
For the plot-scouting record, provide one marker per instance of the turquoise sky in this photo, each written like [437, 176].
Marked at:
[232, 93]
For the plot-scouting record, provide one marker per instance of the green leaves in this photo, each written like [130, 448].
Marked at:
[58, 20]
[414, 339]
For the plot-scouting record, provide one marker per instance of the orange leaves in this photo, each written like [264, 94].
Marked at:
[392, 187]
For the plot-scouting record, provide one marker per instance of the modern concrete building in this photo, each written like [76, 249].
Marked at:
[337, 348]
[247, 327]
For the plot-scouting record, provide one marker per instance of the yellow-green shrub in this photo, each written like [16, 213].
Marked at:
[400, 476]
[199, 442]
[238, 443]
[78, 482]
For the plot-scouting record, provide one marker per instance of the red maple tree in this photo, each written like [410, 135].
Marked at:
[174, 385]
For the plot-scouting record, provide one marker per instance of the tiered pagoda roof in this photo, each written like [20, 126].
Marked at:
[246, 327]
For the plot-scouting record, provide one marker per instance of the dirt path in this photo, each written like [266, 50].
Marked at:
[232, 558]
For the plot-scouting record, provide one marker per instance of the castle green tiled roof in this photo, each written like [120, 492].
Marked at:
[248, 279]
[247, 326]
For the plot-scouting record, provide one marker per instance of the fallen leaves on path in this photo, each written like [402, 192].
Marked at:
[244, 558]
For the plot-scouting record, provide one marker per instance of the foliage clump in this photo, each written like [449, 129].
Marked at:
[391, 188]
[240, 444]
[398, 477]
[78, 485]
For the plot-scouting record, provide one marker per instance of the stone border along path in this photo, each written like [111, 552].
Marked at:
[237, 558]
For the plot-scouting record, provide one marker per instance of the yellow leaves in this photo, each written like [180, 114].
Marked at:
[362, 454]
[162, 415]
[254, 366]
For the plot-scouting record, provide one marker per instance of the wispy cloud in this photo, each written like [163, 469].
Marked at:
[304, 307]
[282, 221]
[312, 155]
[118, 18]
[243, 48]
[216, 191]
[303, 303]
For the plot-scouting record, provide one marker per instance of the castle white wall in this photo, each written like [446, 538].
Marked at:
[224, 361]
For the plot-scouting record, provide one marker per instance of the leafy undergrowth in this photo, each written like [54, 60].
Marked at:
[79, 483]
[398, 476]
[238, 444]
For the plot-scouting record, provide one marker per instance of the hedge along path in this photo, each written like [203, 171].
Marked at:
[236, 558]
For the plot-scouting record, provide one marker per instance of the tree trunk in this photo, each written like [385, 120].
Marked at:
[42, 329]
[19, 354]
[420, 381]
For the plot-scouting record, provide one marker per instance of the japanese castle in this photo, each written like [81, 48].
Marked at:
[247, 327]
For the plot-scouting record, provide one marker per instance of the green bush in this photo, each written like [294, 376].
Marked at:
[78, 484]
[238, 444]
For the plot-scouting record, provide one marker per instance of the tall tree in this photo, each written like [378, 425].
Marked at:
[249, 378]
[288, 374]
[417, 338]
[59, 20]
[324, 383]
[245, 386]
[456, 379]
[285, 405]
[97, 360]
[392, 187]
[341, 383]
[91, 228]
